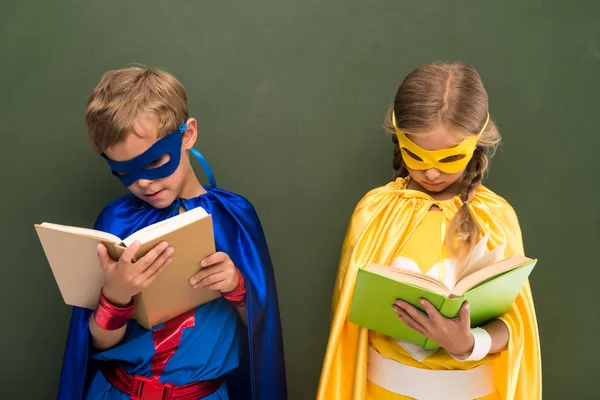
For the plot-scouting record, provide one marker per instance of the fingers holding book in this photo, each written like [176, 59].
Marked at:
[218, 272]
[125, 278]
[411, 316]
[453, 334]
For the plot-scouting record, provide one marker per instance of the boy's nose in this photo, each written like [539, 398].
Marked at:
[144, 183]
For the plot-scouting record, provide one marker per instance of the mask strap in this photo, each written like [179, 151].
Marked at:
[394, 120]
[205, 167]
[487, 120]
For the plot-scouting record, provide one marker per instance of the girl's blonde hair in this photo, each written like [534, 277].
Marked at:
[452, 95]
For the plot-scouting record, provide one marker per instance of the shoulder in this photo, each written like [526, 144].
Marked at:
[499, 219]
[236, 199]
[127, 204]
[487, 199]
[235, 218]
[231, 200]
[383, 194]
[128, 201]
[391, 197]
[227, 207]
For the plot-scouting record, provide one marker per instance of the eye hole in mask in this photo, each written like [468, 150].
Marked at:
[453, 158]
[160, 161]
[411, 154]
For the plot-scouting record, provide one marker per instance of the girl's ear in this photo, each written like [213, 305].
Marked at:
[191, 134]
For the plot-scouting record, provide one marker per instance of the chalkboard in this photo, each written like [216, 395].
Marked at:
[290, 96]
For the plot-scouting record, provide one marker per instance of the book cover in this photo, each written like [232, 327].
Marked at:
[72, 255]
[375, 294]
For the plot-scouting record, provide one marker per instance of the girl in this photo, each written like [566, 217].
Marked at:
[428, 219]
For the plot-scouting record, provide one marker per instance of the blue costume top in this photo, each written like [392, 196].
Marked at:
[216, 343]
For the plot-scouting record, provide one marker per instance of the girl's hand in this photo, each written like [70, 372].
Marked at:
[218, 273]
[454, 335]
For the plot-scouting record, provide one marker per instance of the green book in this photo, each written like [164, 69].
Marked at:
[489, 285]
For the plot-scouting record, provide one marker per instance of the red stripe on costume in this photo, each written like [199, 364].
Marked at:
[167, 339]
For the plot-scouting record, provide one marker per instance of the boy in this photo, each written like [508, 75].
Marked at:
[230, 348]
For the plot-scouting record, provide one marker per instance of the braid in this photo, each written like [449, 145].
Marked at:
[398, 162]
[463, 231]
[473, 174]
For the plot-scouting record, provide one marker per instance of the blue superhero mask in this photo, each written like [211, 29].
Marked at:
[138, 168]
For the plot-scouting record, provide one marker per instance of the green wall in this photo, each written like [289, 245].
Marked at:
[289, 96]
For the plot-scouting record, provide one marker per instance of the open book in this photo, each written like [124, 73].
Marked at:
[72, 255]
[487, 280]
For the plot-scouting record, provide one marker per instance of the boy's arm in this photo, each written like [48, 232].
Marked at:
[218, 272]
[104, 339]
[123, 280]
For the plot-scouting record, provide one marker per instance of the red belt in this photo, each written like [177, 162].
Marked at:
[143, 388]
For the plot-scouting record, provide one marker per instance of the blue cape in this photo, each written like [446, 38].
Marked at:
[238, 233]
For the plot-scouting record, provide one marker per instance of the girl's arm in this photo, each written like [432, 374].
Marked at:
[500, 335]
[454, 335]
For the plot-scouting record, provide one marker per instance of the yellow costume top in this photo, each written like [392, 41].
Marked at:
[380, 227]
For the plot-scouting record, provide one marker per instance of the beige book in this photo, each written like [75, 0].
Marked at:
[72, 255]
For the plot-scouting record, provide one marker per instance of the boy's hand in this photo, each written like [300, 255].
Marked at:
[124, 278]
[218, 273]
[454, 335]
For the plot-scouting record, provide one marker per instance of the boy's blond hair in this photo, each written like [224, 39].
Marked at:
[123, 94]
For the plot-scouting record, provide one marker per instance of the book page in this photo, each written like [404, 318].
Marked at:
[492, 257]
[478, 251]
[410, 277]
[92, 233]
[161, 228]
[490, 271]
[74, 262]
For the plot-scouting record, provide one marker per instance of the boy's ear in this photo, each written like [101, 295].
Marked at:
[191, 134]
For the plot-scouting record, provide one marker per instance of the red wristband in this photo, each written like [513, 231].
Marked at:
[110, 317]
[238, 295]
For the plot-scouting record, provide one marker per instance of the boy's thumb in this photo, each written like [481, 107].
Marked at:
[103, 256]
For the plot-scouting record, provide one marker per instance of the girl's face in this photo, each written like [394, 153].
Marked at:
[433, 180]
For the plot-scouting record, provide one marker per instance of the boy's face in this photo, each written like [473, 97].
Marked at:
[159, 193]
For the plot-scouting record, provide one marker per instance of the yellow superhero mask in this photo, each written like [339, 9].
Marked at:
[449, 160]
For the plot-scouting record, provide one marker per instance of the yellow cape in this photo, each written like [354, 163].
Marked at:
[379, 227]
